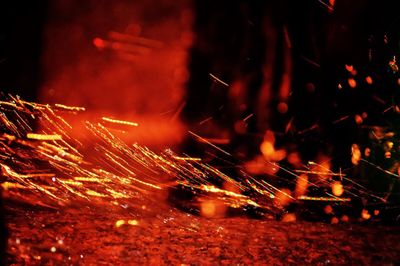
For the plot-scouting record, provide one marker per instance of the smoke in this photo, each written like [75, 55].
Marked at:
[120, 58]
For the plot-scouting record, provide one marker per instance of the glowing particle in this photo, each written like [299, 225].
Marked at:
[388, 155]
[282, 108]
[393, 66]
[345, 218]
[355, 154]
[267, 148]
[340, 86]
[367, 152]
[60, 242]
[240, 127]
[352, 83]
[328, 209]
[358, 119]
[133, 222]
[389, 145]
[334, 220]
[364, 115]
[99, 43]
[349, 68]
[365, 214]
[17, 241]
[119, 223]
[369, 80]
[337, 188]
[294, 158]
[53, 249]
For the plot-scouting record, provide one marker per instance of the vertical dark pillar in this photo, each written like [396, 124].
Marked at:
[21, 24]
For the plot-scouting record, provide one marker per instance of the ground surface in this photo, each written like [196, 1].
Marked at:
[165, 236]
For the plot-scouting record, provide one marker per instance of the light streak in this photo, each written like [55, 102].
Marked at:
[209, 143]
[43, 136]
[120, 122]
[324, 198]
[219, 80]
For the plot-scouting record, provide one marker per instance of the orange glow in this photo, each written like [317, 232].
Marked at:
[328, 209]
[352, 83]
[268, 150]
[99, 43]
[210, 208]
[369, 80]
[349, 68]
[133, 222]
[294, 159]
[358, 119]
[119, 223]
[322, 167]
[345, 219]
[367, 152]
[259, 166]
[301, 185]
[365, 214]
[283, 197]
[337, 188]
[334, 220]
[356, 154]
[289, 218]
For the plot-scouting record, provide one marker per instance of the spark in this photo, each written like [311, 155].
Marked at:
[205, 120]
[43, 136]
[311, 62]
[69, 108]
[120, 122]
[209, 143]
[248, 117]
[187, 158]
[219, 80]
[323, 198]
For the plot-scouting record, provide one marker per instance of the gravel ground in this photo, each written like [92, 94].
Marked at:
[165, 236]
